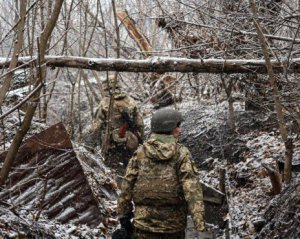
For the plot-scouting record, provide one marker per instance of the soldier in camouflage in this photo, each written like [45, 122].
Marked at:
[126, 123]
[161, 183]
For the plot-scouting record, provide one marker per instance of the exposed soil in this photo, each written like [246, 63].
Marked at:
[208, 136]
[282, 218]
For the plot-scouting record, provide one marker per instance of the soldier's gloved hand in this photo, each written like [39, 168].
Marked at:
[126, 224]
[201, 226]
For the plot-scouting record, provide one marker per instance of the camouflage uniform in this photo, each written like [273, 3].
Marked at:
[162, 182]
[122, 102]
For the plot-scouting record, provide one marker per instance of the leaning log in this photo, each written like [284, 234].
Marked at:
[134, 32]
[162, 64]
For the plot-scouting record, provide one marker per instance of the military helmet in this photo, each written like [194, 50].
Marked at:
[165, 120]
[109, 83]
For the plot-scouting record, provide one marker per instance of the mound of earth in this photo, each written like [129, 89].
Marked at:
[206, 133]
[282, 218]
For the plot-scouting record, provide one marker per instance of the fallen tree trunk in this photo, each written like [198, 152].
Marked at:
[162, 64]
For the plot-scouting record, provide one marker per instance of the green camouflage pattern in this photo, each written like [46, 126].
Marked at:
[121, 102]
[162, 182]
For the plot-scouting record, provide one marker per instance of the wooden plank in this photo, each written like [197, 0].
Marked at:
[212, 195]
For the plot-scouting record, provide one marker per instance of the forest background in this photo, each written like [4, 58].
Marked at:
[55, 55]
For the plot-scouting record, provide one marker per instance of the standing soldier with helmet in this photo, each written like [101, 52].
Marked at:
[119, 122]
[161, 183]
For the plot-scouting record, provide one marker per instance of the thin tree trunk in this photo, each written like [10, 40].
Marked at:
[89, 97]
[231, 117]
[222, 179]
[17, 140]
[79, 122]
[16, 52]
[228, 91]
[288, 157]
[105, 144]
[72, 103]
[276, 95]
[43, 100]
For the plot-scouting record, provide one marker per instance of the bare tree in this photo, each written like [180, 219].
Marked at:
[276, 95]
[41, 73]
[16, 52]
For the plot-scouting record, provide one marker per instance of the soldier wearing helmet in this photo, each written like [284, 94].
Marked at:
[162, 183]
[126, 127]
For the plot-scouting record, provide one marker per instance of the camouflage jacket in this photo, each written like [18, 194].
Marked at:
[122, 102]
[162, 183]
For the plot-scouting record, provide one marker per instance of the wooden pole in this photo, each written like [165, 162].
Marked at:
[222, 179]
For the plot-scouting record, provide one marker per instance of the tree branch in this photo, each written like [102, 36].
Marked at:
[17, 106]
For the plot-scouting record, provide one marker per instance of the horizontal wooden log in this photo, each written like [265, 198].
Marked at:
[162, 64]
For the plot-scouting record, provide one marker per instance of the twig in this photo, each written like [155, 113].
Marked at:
[22, 102]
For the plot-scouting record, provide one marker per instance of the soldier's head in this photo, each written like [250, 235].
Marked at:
[110, 84]
[166, 121]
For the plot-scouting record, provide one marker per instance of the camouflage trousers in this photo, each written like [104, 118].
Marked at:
[151, 235]
[115, 156]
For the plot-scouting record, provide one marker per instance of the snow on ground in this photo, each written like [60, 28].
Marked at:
[21, 225]
[248, 201]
